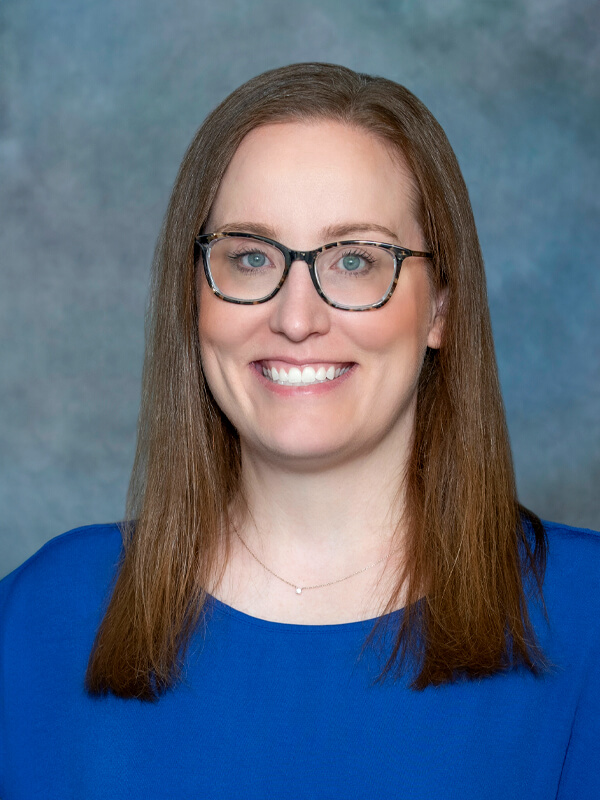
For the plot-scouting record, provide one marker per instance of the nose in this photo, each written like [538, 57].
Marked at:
[297, 310]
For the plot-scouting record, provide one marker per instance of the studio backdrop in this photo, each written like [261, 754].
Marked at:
[99, 101]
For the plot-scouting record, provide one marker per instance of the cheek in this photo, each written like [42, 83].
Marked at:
[211, 318]
[219, 345]
[401, 325]
[226, 332]
[216, 331]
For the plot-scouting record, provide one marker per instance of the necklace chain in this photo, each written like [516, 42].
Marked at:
[300, 589]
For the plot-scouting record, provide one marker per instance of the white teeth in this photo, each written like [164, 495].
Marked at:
[308, 375]
[305, 376]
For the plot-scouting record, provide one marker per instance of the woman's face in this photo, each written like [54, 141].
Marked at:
[305, 185]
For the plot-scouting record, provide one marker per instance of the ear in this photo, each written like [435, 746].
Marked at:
[438, 318]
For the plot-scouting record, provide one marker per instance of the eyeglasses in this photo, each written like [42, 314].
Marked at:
[352, 275]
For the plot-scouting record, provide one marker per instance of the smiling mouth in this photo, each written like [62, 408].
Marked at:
[302, 376]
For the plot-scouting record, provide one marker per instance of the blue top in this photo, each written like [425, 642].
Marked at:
[273, 710]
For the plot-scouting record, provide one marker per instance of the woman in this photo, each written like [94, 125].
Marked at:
[329, 589]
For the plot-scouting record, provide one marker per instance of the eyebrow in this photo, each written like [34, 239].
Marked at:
[328, 234]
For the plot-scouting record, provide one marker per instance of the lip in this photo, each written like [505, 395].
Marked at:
[298, 389]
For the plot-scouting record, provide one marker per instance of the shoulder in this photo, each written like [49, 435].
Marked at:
[574, 552]
[72, 571]
[568, 533]
[571, 587]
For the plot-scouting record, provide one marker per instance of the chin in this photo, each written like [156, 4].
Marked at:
[307, 450]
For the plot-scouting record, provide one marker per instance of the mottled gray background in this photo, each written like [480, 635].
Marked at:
[99, 99]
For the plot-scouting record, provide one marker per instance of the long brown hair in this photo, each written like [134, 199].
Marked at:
[470, 543]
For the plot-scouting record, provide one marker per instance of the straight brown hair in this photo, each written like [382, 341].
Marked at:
[475, 557]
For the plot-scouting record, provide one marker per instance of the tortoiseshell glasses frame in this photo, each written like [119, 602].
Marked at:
[205, 241]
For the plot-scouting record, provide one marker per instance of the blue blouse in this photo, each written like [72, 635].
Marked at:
[273, 710]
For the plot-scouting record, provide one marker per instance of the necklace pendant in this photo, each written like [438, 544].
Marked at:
[298, 590]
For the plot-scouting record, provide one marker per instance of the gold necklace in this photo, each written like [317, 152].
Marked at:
[300, 589]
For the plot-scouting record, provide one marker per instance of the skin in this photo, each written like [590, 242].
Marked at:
[321, 464]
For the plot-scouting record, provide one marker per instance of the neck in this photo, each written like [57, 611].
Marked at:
[339, 527]
[339, 515]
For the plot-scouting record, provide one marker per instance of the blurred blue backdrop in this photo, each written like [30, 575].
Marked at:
[99, 101]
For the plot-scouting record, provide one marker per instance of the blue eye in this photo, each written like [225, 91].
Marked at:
[254, 260]
[351, 262]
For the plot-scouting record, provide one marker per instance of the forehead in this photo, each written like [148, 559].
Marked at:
[302, 176]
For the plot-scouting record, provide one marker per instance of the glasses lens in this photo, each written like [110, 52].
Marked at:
[355, 275]
[245, 269]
